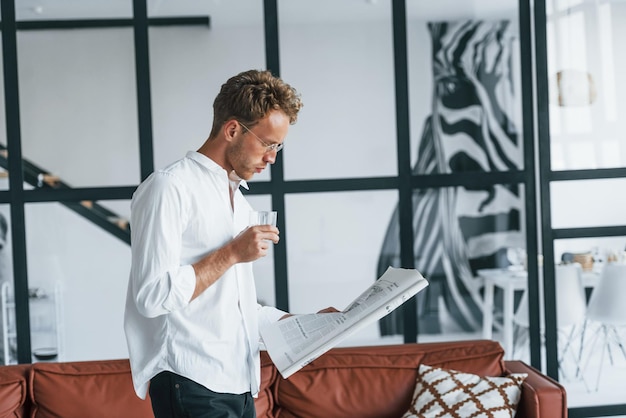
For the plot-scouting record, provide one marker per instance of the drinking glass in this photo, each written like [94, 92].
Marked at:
[263, 217]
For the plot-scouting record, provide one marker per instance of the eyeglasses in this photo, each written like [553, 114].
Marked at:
[268, 147]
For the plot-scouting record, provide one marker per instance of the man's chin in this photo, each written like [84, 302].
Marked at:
[246, 176]
[247, 173]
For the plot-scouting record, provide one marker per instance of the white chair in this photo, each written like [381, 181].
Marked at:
[571, 307]
[608, 309]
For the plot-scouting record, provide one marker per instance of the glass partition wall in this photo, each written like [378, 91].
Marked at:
[582, 159]
[415, 148]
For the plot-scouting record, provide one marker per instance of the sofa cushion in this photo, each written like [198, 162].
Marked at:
[264, 403]
[13, 391]
[90, 388]
[350, 382]
[450, 393]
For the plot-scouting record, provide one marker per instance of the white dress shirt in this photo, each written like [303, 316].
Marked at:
[178, 215]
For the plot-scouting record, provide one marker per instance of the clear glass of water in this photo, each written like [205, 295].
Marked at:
[263, 217]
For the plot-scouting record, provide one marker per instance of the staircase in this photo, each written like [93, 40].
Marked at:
[88, 209]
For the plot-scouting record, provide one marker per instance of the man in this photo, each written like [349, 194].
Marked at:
[191, 317]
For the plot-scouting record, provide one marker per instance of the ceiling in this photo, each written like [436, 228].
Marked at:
[234, 12]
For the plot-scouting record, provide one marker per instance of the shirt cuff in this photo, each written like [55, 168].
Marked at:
[268, 315]
[182, 290]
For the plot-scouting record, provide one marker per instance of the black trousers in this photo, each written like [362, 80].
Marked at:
[175, 396]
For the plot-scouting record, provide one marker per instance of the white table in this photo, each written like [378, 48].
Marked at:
[509, 281]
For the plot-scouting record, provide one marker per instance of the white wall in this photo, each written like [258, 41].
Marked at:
[91, 268]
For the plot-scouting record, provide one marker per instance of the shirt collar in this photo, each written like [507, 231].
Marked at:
[234, 180]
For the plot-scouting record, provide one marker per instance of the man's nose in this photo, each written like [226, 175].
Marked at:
[270, 157]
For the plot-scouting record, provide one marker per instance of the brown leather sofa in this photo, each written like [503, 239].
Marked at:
[363, 382]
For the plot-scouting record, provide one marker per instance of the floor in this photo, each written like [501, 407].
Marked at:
[602, 369]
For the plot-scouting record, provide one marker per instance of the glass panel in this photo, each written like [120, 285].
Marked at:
[462, 237]
[182, 104]
[78, 274]
[348, 124]
[585, 70]
[587, 203]
[592, 253]
[594, 341]
[78, 104]
[334, 243]
[53, 10]
[8, 340]
[264, 267]
[465, 92]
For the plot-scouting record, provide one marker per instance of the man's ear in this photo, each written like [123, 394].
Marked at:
[230, 129]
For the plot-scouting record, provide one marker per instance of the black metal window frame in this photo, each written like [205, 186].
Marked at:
[548, 233]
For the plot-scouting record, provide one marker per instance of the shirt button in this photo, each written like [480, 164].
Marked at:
[177, 385]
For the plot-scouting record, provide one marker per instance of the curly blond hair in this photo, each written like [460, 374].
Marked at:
[250, 96]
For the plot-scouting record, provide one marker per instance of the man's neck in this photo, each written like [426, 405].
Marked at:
[215, 149]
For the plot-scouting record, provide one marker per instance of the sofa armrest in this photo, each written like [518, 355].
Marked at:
[14, 391]
[542, 396]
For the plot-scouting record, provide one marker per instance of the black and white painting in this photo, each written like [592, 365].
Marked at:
[473, 127]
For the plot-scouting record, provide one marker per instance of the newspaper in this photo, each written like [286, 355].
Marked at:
[294, 342]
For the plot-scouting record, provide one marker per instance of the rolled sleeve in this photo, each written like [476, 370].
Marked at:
[180, 294]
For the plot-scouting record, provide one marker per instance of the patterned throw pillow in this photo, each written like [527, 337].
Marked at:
[441, 393]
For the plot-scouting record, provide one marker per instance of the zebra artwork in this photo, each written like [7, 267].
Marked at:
[473, 127]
